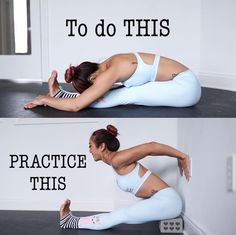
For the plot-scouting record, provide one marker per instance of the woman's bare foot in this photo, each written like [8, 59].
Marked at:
[65, 209]
[53, 85]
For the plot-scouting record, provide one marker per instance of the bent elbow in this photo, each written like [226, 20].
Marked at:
[75, 109]
[75, 106]
[154, 148]
[153, 144]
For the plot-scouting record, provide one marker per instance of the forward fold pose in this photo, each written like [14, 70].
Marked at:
[147, 79]
[159, 201]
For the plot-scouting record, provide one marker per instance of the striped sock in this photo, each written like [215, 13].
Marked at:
[65, 94]
[70, 222]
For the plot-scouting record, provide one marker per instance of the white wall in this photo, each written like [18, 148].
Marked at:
[57, 50]
[93, 188]
[209, 142]
[183, 43]
[202, 37]
[207, 202]
[218, 49]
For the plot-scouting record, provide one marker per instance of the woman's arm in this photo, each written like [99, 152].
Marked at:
[101, 85]
[128, 156]
[131, 155]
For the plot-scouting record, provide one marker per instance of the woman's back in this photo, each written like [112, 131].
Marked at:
[126, 65]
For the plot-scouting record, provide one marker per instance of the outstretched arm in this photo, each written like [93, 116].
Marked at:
[131, 155]
[101, 85]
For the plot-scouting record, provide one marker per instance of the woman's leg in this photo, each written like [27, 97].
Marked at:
[61, 93]
[114, 97]
[165, 204]
[182, 91]
[55, 90]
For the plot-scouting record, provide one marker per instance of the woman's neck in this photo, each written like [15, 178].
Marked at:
[108, 156]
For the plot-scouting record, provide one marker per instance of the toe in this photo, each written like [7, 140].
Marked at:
[65, 208]
[54, 73]
[65, 204]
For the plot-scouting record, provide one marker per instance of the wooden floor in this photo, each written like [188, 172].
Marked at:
[47, 223]
[213, 103]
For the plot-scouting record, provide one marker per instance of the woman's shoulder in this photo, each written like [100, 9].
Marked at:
[130, 57]
[125, 157]
[117, 160]
[118, 61]
[112, 60]
[120, 166]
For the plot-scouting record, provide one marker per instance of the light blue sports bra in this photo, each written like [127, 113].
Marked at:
[144, 72]
[131, 182]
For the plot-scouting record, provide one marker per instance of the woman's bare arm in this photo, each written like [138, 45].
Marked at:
[101, 85]
[128, 156]
[131, 155]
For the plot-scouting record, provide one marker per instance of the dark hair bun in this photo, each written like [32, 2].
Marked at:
[112, 130]
[69, 74]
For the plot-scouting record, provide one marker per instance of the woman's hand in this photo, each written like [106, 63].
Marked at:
[38, 101]
[184, 167]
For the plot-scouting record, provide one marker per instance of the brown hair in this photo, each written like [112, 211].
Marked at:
[79, 75]
[108, 137]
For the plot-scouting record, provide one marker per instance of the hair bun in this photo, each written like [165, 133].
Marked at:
[69, 74]
[112, 130]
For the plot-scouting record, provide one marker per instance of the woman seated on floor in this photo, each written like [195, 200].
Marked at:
[147, 79]
[158, 201]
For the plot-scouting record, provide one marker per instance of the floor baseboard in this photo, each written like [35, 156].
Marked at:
[190, 228]
[219, 81]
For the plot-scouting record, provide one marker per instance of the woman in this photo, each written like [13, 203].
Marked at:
[148, 79]
[159, 202]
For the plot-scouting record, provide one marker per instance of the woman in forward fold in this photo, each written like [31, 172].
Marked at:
[147, 79]
[159, 200]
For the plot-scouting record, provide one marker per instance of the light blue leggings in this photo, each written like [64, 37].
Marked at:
[165, 204]
[182, 91]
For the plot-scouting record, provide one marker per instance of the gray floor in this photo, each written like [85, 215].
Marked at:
[47, 223]
[213, 103]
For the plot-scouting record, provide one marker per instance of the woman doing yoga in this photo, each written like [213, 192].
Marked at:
[159, 200]
[147, 79]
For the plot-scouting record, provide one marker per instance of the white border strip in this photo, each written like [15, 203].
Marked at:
[191, 228]
[217, 80]
[53, 121]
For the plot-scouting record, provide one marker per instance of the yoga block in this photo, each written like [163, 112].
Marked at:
[172, 225]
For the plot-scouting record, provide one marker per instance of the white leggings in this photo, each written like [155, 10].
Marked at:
[165, 204]
[182, 91]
